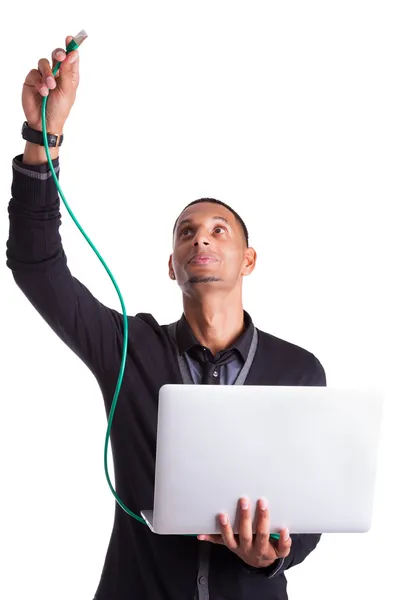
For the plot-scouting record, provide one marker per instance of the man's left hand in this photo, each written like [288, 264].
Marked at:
[257, 550]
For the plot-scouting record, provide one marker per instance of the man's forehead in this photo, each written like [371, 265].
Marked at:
[208, 211]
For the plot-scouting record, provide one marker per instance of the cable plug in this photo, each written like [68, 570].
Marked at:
[76, 41]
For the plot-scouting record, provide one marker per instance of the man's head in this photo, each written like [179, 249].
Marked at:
[210, 248]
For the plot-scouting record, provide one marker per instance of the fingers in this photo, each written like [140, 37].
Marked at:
[43, 79]
[68, 62]
[262, 528]
[34, 79]
[227, 534]
[214, 539]
[58, 55]
[284, 544]
[244, 544]
[245, 525]
[47, 78]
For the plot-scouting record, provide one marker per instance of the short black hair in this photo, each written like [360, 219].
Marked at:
[214, 201]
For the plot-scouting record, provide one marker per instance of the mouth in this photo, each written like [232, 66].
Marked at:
[202, 259]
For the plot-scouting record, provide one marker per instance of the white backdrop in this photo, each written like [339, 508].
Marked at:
[289, 113]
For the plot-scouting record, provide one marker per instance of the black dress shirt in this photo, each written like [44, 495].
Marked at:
[139, 565]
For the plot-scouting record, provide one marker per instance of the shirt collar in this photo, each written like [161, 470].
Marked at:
[186, 339]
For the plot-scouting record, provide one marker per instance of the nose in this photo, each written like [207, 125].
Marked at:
[197, 243]
[200, 239]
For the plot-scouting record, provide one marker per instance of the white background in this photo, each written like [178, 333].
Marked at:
[287, 111]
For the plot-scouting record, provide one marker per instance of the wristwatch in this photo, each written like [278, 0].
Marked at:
[36, 137]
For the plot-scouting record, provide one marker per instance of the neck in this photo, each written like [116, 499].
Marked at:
[216, 322]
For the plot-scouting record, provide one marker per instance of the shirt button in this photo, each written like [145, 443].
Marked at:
[215, 373]
[203, 580]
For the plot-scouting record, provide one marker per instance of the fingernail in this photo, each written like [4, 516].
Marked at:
[201, 537]
[263, 504]
[223, 519]
[287, 535]
[244, 503]
[73, 58]
[59, 54]
[49, 82]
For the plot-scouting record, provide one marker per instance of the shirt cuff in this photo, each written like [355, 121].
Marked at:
[34, 184]
[43, 168]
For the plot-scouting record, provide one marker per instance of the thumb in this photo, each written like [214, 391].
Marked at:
[69, 68]
[72, 58]
[69, 71]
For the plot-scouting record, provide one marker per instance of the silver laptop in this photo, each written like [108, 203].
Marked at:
[311, 451]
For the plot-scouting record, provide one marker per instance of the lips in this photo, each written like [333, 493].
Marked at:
[202, 259]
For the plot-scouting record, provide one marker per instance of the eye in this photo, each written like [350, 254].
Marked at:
[220, 227]
[185, 230]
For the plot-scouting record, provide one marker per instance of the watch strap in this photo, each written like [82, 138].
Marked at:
[36, 137]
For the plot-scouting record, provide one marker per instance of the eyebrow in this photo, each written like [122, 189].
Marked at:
[188, 221]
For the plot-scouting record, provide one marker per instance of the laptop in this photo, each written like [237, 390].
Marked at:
[311, 451]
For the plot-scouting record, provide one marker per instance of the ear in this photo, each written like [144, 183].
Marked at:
[249, 263]
[170, 268]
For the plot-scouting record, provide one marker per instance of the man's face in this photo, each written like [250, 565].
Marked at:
[209, 248]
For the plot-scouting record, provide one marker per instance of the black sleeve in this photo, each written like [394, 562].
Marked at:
[38, 263]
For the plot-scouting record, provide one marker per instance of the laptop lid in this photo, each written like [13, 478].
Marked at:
[311, 451]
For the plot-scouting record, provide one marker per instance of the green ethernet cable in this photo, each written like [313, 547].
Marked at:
[74, 45]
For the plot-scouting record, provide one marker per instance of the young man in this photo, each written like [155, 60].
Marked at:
[216, 339]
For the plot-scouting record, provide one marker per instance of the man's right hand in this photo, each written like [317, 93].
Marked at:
[62, 92]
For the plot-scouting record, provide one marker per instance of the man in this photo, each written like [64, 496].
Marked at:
[216, 338]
